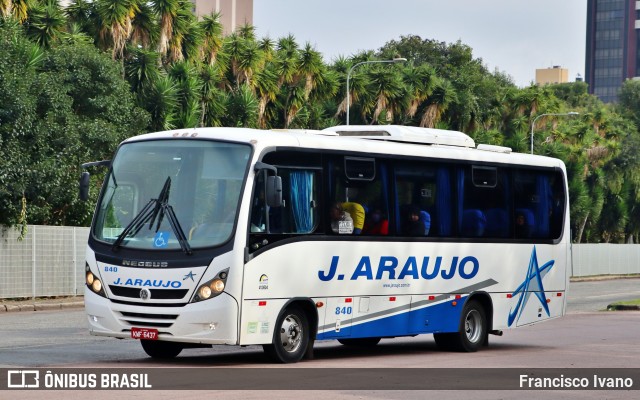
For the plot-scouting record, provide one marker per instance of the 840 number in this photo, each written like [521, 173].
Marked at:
[344, 310]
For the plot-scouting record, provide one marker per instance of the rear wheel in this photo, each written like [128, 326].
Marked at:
[290, 338]
[360, 342]
[472, 332]
[161, 349]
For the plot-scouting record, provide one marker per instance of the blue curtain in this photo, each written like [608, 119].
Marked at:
[543, 207]
[300, 198]
[443, 202]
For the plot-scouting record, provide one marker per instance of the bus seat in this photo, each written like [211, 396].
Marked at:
[357, 214]
[529, 223]
[473, 223]
[425, 218]
[497, 223]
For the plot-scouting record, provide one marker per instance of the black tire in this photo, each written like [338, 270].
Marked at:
[290, 337]
[360, 342]
[161, 349]
[472, 332]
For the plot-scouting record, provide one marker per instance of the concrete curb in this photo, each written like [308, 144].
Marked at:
[44, 306]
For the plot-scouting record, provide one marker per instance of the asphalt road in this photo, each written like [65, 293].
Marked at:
[585, 338]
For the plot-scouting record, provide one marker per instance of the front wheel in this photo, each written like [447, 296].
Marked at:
[161, 349]
[290, 338]
[472, 332]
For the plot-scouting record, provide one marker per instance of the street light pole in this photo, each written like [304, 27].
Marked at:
[395, 60]
[533, 124]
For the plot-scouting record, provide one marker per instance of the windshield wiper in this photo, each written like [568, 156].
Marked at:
[150, 213]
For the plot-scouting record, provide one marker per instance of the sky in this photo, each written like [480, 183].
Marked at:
[513, 36]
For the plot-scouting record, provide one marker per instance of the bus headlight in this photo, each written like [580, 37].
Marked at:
[94, 283]
[212, 288]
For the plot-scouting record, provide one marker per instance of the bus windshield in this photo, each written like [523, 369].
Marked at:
[172, 194]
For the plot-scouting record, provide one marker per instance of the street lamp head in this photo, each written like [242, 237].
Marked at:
[573, 113]
[399, 59]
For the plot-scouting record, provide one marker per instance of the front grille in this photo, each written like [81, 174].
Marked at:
[148, 320]
[156, 294]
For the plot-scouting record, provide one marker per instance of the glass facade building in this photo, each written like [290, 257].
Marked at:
[613, 34]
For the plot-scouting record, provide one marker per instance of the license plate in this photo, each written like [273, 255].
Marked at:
[144, 333]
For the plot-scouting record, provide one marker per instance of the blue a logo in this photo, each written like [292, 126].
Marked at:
[532, 284]
[161, 240]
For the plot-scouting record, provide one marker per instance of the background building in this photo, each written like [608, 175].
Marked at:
[234, 13]
[549, 76]
[612, 52]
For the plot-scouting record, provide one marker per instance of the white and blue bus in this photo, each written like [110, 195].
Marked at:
[236, 236]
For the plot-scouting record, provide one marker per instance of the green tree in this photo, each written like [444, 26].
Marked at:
[58, 109]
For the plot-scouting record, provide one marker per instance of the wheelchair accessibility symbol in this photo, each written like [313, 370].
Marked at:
[161, 239]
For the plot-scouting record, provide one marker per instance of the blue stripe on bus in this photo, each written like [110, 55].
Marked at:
[443, 317]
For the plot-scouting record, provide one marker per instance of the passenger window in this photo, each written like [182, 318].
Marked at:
[483, 202]
[423, 200]
[359, 188]
[539, 203]
[299, 212]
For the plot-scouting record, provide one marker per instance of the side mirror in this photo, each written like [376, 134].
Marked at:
[84, 186]
[274, 191]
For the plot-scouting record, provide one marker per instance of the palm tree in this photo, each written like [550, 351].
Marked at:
[19, 9]
[247, 31]
[420, 83]
[232, 47]
[5, 7]
[116, 17]
[83, 14]
[309, 67]
[189, 89]
[141, 68]
[45, 23]
[286, 59]
[267, 46]
[144, 26]
[213, 100]
[167, 10]
[192, 42]
[242, 108]
[251, 59]
[266, 86]
[443, 95]
[161, 101]
[387, 90]
[184, 31]
[212, 29]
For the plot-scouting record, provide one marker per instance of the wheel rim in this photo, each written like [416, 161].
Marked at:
[291, 333]
[473, 326]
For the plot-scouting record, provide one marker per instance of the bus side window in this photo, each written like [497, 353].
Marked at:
[423, 199]
[298, 214]
[539, 204]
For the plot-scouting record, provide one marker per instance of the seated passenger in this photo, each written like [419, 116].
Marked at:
[341, 221]
[413, 226]
[522, 228]
[356, 211]
[376, 224]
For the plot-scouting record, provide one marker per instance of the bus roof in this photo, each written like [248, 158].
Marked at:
[385, 140]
